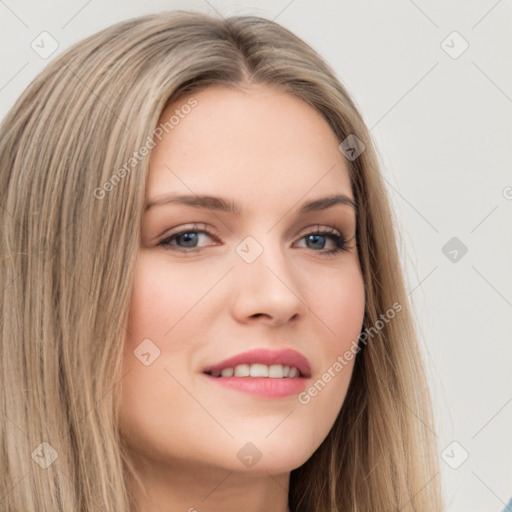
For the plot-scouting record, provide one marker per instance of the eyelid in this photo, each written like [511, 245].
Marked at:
[332, 228]
[194, 226]
[202, 227]
[321, 228]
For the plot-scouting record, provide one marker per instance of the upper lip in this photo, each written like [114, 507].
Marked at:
[287, 357]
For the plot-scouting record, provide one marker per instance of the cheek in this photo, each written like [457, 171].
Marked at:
[340, 305]
[148, 303]
[149, 395]
[162, 295]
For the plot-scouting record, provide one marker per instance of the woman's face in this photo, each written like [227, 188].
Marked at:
[212, 284]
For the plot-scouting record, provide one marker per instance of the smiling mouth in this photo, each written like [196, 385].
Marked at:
[273, 371]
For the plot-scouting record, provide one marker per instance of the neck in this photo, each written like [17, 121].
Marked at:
[199, 488]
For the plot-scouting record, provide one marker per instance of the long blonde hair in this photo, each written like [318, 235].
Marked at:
[68, 256]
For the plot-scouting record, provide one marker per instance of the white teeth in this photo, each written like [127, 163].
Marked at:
[242, 370]
[293, 372]
[273, 371]
[259, 370]
[227, 372]
[276, 371]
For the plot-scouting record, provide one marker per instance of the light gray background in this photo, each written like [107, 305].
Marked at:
[443, 129]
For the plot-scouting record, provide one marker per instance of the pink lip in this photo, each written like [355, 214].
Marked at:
[265, 356]
[264, 386]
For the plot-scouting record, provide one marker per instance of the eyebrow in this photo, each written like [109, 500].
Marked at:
[228, 206]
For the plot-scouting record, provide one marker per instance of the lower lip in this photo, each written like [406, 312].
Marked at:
[262, 386]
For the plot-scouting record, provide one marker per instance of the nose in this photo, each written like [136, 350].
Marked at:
[267, 290]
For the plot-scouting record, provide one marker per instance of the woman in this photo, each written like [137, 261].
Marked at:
[274, 367]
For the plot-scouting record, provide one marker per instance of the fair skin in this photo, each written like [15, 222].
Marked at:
[270, 153]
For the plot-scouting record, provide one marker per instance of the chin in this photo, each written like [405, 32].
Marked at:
[275, 454]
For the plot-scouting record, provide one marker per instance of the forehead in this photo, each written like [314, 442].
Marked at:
[259, 145]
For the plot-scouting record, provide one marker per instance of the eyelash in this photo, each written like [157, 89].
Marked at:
[339, 240]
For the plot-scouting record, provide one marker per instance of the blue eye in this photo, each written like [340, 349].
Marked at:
[189, 237]
[187, 240]
[319, 237]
